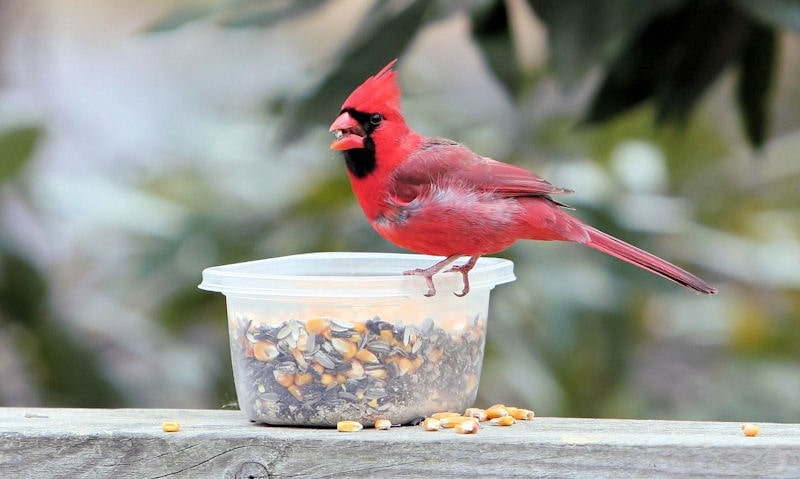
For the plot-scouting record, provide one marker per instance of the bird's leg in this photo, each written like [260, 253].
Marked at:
[428, 273]
[464, 269]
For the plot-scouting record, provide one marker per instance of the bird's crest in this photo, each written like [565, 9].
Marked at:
[378, 92]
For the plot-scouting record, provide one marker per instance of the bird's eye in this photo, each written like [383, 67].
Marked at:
[376, 119]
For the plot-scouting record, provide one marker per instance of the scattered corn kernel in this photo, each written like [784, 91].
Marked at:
[523, 414]
[170, 426]
[431, 424]
[442, 415]
[498, 410]
[383, 424]
[504, 421]
[451, 421]
[750, 429]
[477, 413]
[349, 426]
[470, 426]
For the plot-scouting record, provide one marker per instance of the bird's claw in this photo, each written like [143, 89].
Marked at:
[465, 275]
[428, 279]
[428, 273]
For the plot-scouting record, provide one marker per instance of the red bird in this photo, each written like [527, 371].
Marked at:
[434, 196]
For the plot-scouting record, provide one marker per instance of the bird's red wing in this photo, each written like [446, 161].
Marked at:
[445, 161]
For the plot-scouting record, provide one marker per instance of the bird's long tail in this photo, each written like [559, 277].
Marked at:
[633, 255]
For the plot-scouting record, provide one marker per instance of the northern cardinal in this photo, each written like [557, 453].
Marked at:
[435, 196]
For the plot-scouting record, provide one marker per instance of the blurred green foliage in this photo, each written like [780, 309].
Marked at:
[66, 369]
[665, 51]
[590, 328]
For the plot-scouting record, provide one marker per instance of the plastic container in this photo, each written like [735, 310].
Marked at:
[323, 337]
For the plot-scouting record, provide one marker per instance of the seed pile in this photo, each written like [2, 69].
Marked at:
[325, 370]
[469, 421]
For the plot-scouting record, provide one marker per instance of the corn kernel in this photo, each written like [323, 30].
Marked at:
[523, 414]
[750, 429]
[170, 426]
[346, 348]
[383, 424]
[303, 379]
[403, 365]
[318, 367]
[498, 410]
[504, 421]
[283, 378]
[451, 421]
[349, 426]
[387, 336]
[356, 370]
[317, 325]
[431, 424]
[416, 363]
[366, 356]
[442, 415]
[470, 426]
[376, 373]
[265, 351]
[477, 413]
[327, 379]
[295, 391]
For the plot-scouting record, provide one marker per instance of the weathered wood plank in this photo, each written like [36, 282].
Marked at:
[101, 443]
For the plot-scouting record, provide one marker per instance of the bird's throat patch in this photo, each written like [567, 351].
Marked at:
[361, 162]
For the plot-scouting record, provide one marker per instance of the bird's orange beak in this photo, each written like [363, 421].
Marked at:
[347, 132]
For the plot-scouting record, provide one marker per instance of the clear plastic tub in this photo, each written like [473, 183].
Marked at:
[323, 337]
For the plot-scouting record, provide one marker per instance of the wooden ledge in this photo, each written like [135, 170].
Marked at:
[77, 443]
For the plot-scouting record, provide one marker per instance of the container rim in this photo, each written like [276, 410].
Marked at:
[346, 274]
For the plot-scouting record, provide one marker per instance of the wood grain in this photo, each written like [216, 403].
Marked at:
[102, 443]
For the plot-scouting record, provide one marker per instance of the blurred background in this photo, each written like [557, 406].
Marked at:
[142, 141]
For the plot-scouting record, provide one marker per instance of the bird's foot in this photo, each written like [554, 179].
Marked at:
[464, 269]
[428, 279]
[428, 273]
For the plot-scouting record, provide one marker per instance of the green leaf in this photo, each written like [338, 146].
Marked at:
[581, 33]
[16, 147]
[785, 13]
[672, 60]
[491, 30]
[712, 37]
[180, 17]
[757, 69]
[384, 35]
[23, 290]
[267, 14]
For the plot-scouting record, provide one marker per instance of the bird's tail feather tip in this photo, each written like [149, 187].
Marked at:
[619, 249]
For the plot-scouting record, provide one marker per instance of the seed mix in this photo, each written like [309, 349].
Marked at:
[324, 370]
